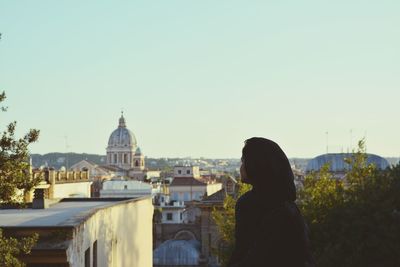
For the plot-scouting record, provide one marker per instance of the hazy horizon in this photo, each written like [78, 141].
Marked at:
[184, 157]
[197, 78]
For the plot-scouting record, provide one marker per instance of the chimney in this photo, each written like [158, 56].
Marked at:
[39, 201]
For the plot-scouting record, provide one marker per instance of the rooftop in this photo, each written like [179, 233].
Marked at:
[67, 212]
[217, 197]
[186, 181]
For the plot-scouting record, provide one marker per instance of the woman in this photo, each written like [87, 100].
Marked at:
[270, 230]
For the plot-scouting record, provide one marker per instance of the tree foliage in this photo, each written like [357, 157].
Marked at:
[10, 247]
[225, 221]
[354, 221]
[15, 180]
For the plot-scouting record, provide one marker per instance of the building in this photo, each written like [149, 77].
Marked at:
[171, 211]
[86, 232]
[188, 186]
[96, 172]
[125, 188]
[210, 237]
[124, 153]
[186, 253]
[175, 202]
[338, 165]
[62, 184]
[186, 233]
[187, 171]
[124, 157]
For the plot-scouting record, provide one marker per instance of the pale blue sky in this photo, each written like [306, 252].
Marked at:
[196, 78]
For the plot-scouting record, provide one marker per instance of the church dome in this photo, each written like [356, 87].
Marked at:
[338, 164]
[177, 253]
[122, 136]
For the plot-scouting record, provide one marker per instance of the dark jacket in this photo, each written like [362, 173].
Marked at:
[269, 233]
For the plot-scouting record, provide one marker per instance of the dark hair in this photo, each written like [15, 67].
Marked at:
[269, 169]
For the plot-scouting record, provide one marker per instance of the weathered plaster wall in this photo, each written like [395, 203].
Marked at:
[123, 233]
[81, 189]
[187, 193]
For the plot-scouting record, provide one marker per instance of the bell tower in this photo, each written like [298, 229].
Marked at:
[138, 160]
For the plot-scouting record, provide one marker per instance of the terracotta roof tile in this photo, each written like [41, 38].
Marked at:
[185, 181]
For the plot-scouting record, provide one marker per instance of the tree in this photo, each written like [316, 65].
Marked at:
[15, 181]
[10, 247]
[354, 221]
[225, 221]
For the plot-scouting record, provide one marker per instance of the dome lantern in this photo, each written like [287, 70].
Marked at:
[122, 121]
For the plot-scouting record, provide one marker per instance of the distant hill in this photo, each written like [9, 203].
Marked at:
[57, 160]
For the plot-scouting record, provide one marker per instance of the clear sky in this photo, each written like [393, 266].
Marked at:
[196, 78]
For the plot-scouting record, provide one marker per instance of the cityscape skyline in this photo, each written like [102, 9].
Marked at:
[197, 79]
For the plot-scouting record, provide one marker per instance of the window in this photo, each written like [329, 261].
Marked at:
[179, 172]
[115, 158]
[186, 196]
[95, 254]
[187, 171]
[169, 216]
[125, 187]
[87, 257]
[125, 158]
[136, 163]
[180, 215]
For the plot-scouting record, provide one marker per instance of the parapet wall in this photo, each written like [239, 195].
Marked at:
[63, 183]
[56, 177]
